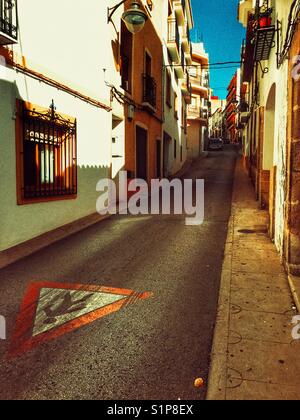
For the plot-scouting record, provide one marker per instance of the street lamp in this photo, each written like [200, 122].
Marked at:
[134, 18]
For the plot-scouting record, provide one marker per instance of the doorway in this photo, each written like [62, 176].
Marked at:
[166, 152]
[158, 159]
[141, 153]
[268, 155]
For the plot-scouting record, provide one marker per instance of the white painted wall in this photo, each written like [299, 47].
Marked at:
[279, 77]
[71, 43]
[171, 125]
[275, 155]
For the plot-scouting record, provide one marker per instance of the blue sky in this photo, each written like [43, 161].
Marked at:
[216, 23]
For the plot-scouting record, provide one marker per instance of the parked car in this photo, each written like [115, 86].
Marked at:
[226, 141]
[215, 144]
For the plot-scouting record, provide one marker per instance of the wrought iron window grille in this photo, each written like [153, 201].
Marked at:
[49, 154]
[149, 90]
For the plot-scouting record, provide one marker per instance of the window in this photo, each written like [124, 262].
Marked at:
[168, 89]
[148, 64]
[175, 149]
[47, 156]
[126, 58]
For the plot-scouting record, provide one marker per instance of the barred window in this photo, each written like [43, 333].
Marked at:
[48, 155]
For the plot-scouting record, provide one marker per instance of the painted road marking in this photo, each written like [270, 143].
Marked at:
[58, 306]
[50, 310]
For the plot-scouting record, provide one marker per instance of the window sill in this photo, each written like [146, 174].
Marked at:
[25, 201]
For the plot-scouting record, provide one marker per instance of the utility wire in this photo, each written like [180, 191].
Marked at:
[206, 66]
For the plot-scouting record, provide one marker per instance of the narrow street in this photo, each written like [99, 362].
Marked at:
[153, 349]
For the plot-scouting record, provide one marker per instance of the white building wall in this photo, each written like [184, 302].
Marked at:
[275, 156]
[280, 78]
[172, 126]
[73, 43]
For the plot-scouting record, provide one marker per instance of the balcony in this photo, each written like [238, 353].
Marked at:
[186, 37]
[173, 41]
[200, 86]
[179, 6]
[180, 68]
[8, 22]
[198, 114]
[193, 112]
[189, 55]
[186, 88]
[149, 93]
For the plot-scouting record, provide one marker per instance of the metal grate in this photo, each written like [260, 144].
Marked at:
[264, 42]
[49, 155]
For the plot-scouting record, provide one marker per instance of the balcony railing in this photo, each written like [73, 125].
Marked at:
[194, 111]
[200, 81]
[173, 32]
[149, 91]
[8, 22]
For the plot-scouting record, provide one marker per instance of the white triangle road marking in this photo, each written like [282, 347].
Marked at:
[56, 307]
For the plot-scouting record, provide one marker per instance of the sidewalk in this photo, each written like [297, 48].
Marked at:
[253, 356]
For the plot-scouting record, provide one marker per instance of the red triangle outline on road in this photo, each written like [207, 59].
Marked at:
[22, 339]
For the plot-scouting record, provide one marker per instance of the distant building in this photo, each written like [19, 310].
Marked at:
[142, 61]
[199, 109]
[217, 120]
[233, 101]
[176, 21]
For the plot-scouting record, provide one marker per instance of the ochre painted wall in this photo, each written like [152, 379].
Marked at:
[145, 41]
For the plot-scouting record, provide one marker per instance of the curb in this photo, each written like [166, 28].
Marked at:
[38, 243]
[218, 365]
[294, 283]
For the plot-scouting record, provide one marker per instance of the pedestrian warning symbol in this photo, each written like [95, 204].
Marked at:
[50, 310]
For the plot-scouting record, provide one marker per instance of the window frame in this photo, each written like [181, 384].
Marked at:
[20, 158]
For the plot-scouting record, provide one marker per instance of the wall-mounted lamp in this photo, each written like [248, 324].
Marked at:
[134, 18]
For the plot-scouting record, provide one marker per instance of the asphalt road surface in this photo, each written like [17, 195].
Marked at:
[152, 349]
